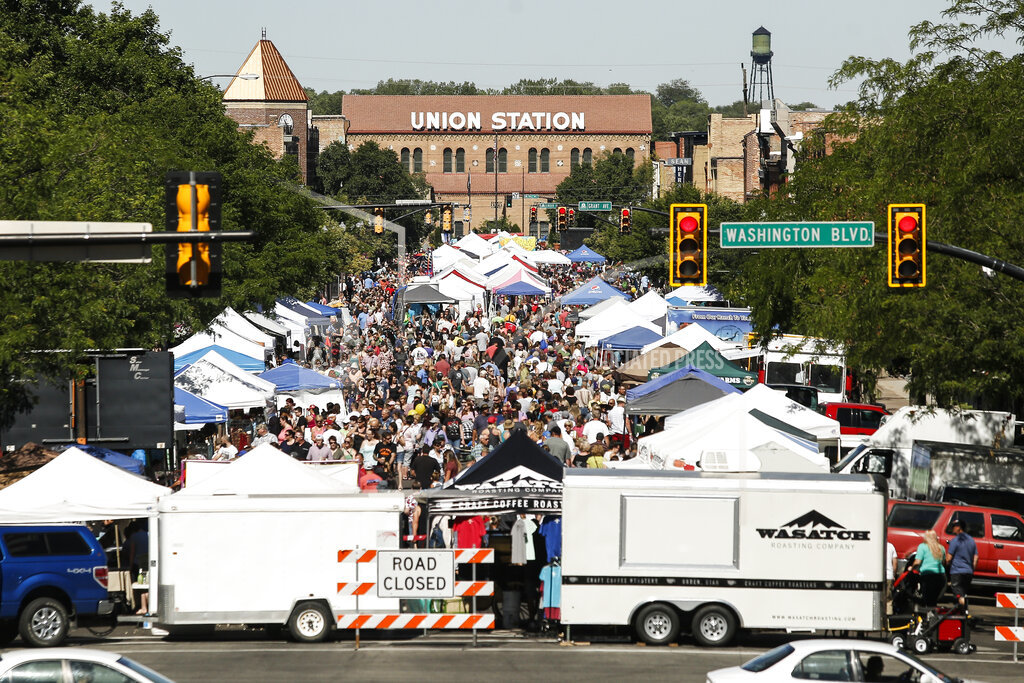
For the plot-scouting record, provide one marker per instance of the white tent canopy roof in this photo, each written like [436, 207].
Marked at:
[237, 323]
[222, 336]
[476, 244]
[266, 470]
[78, 487]
[650, 306]
[690, 337]
[600, 307]
[217, 379]
[549, 257]
[611, 321]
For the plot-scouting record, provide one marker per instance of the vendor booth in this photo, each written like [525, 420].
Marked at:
[678, 390]
[709, 359]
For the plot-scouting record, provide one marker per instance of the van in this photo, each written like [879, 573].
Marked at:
[856, 419]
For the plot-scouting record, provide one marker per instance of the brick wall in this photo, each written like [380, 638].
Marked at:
[263, 118]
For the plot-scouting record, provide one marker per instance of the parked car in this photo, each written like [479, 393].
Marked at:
[999, 534]
[856, 419]
[804, 395]
[58, 665]
[52, 577]
[832, 659]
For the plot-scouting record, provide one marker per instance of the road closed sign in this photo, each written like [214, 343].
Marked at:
[416, 574]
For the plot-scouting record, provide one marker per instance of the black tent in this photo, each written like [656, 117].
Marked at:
[517, 476]
[425, 294]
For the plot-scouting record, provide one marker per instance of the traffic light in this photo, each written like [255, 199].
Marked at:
[906, 245]
[446, 218]
[688, 246]
[563, 218]
[193, 269]
[625, 222]
[378, 220]
[572, 218]
[533, 214]
[508, 201]
[428, 218]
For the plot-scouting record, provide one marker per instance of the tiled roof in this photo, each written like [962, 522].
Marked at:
[276, 82]
[376, 114]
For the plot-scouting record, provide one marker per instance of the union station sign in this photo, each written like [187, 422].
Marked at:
[500, 120]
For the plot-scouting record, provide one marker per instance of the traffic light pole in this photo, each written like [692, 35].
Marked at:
[997, 265]
[126, 239]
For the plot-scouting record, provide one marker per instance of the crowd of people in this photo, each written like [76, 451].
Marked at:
[429, 389]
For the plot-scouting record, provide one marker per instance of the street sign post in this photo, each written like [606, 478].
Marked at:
[531, 196]
[425, 574]
[547, 205]
[797, 235]
[595, 206]
[679, 161]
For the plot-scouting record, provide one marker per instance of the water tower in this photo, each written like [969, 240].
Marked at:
[761, 67]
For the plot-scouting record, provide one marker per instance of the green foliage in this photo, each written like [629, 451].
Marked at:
[323, 102]
[612, 177]
[94, 110]
[731, 111]
[417, 87]
[802, 106]
[942, 133]
[503, 223]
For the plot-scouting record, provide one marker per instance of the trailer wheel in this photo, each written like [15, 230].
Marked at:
[714, 626]
[43, 623]
[657, 624]
[309, 623]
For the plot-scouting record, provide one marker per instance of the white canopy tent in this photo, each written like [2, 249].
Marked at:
[690, 337]
[609, 322]
[216, 379]
[446, 256]
[466, 294]
[237, 323]
[465, 273]
[222, 336]
[476, 244]
[78, 487]
[650, 306]
[292, 331]
[266, 470]
[549, 257]
[601, 307]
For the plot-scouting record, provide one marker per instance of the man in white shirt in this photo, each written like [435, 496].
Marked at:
[617, 417]
[594, 430]
[481, 387]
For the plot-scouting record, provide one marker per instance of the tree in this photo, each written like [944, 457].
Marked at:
[612, 177]
[942, 133]
[96, 108]
[321, 103]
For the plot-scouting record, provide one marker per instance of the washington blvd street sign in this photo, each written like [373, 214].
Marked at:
[797, 235]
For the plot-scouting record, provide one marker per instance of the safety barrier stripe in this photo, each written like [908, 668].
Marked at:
[1011, 567]
[468, 556]
[1010, 634]
[357, 555]
[416, 621]
[475, 556]
[1012, 600]
[462, 588]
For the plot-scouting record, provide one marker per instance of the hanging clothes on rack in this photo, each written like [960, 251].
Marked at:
[522, 541]
[551, 582]
[551, 532]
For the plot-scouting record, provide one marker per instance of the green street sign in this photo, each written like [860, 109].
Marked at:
[531, 196]
[547, 205]
[797, 235]
[595, 206]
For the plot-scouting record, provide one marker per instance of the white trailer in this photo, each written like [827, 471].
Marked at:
[267, 559]
[890, 450]
[668, 551]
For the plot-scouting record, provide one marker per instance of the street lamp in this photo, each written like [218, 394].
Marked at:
[244, 77]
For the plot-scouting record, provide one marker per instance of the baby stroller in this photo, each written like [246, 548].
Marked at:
[914, 628]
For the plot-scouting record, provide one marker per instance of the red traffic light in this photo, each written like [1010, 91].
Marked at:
[561, 211]
[625, 213]
[907, 223]
[688, 224]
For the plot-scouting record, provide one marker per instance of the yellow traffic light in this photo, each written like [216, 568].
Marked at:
[428, 218]
[688, 247]
[907, 241]
[193, 269]
[446, 218]
[378, 220]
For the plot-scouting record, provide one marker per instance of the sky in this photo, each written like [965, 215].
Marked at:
[344, 44]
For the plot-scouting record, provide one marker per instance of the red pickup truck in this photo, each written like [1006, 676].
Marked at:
[999, 534]
[860, 419]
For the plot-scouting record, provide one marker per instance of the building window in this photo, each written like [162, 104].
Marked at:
[405, 158]
[588, 156]
[574, 157]
[489, 160]
[630, 153]
[447, 160]
[417, 160]
[617, 150]
[503, 160]
[531, 164]
[460, 160]
[545, 160]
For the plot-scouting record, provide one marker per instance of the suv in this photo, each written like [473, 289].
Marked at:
[999, 534]
[51, 577]
[856, 419]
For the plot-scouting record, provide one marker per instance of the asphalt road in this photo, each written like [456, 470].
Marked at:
[254, 656]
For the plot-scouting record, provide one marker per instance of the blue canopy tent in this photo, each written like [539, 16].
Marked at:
[633, 339]
[120, 460]
[321, 308]
[585, 255]
[594, 291]
[197, 409]
[243, 361]
[294, 377]
[675, 392]
[520, 288]
[312, 317]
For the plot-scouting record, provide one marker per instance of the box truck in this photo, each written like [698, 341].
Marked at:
[889, 450]
[710, 553]
[266, 560]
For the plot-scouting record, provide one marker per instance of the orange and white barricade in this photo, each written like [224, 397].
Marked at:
[377, 620]
[1015, 601]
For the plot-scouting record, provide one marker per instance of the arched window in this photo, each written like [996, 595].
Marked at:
[545, 160]
[405, 158]
[617, 150]
[460, 160]
[417, 160]
[447, 162]
[574, 157]
[588, 156]
[489, 160]
[531, 163]
[630, 153]
[502, 160]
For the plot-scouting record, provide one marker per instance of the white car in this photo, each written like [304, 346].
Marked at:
[833, 659]
[73, 665]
